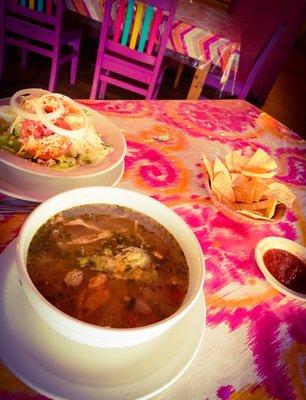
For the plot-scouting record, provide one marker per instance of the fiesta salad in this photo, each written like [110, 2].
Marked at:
[50, 129]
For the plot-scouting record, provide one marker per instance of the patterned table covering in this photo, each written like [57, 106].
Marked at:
[200, 35]
[255, 339]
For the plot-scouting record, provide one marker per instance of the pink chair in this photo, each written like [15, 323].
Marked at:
[131, 56]
[39, 30]
[242, 87]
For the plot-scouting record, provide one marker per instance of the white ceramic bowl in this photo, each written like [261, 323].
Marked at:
[274, 242]
[91, 334]
[31, 176]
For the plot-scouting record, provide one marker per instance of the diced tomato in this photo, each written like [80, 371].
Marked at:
[50, 153]
[62, 124]
[48, 109]
[35, 128]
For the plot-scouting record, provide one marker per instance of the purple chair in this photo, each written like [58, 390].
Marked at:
[39, 30]
[242, 88]
[131, 56]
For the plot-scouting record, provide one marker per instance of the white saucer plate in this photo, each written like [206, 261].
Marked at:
[111, 178]
[63, 369]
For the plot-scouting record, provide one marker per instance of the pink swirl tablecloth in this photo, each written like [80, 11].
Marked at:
[255, 339]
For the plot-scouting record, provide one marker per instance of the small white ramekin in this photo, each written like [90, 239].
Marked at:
[275, 242]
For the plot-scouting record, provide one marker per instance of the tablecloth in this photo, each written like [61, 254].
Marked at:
[200, 35]
[255, 338]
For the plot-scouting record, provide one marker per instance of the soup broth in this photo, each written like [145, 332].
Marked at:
[109, 266]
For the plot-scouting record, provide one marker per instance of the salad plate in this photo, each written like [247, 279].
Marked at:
[63, 369]
[86, 150]
[111, 178]
[108, 132]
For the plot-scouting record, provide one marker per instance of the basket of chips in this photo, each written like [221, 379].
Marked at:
[240, 185]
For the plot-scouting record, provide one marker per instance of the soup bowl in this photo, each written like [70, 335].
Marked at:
[84, 332]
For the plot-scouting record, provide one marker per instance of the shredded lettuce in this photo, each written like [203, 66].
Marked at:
[48, 148]
[10, 142]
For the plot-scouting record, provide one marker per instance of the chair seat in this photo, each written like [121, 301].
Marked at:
[127, 68]
[69, 36]
[213, 81]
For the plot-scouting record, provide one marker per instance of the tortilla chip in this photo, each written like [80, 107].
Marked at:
[222, 199]
[228, 162]
[258, 205]
[280, 192]
[269, 212]
[220, 167]
[260, 188]
[253, 214]
[244, 190]
[238, 160]
[264, 207]
[222, 186]
[236, 178]
[208, 167]
[260, 162]
[261, 175]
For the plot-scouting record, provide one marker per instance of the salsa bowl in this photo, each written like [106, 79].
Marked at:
[279, 243]
[92, 334]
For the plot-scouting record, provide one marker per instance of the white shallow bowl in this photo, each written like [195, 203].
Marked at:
[274, 242]
[31, 176]
[91, 334]
[111, 178]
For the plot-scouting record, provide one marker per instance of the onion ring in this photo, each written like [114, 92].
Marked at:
[44, 117]
[54, 114]
[33, 93]
[16, 107]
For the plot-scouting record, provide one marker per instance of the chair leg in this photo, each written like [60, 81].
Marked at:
[95, 83]
[178, 74]
[102, 89]
[54, 70]
[76, 44]
[153, 89]
[24, 56]
[103, 86]
[2, 40]
[157, 86]
[2, 60]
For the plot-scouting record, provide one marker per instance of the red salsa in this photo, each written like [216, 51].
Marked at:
[287, 268]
